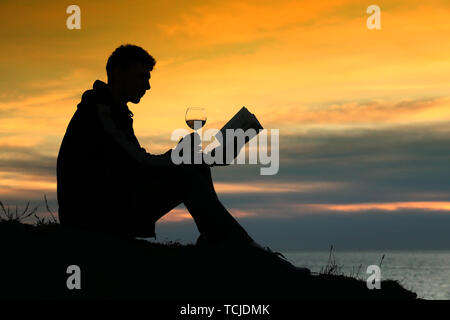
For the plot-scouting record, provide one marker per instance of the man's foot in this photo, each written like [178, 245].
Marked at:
[282, 258]
[202, 241]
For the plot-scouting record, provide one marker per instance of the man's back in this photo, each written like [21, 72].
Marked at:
[94, 173]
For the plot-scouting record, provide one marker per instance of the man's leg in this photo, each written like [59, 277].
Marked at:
[193, 186]
[213, 220]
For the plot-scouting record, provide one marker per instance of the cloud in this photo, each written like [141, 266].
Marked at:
[390, 166]
[26, 160]
[273, 187]
[362, 113]
[378, 230]
[392, 206]
[222, 22]
[26, 174]
[45, 93]
[180, 214]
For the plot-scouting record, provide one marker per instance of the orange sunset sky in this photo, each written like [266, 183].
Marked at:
[309, 68]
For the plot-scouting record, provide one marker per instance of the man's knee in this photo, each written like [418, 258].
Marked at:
[192, 176]
[194, 170]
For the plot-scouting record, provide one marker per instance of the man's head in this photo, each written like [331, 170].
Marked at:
[128, 69]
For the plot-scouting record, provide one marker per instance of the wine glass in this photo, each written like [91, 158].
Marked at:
[195, 117]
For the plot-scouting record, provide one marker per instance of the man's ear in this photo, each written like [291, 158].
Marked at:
[117, 73]
[114, 75]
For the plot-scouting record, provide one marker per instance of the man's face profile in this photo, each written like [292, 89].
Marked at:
[133, 81]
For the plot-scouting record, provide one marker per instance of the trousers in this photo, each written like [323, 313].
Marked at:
[157, 192]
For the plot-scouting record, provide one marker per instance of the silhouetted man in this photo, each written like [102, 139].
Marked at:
[108, 182]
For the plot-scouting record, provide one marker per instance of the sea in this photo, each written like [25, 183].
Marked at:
[427, 273]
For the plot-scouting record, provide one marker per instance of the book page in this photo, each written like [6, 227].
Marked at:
[244, 120]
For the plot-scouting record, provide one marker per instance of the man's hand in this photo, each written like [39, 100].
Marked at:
[212, 154]
[195, 148]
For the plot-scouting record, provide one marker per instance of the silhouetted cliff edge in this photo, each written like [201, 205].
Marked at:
[35, 260]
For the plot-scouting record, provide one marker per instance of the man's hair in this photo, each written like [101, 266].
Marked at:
[127, 55]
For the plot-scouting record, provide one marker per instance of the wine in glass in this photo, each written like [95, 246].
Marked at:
[195, 117]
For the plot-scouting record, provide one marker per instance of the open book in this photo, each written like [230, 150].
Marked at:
[244, 120]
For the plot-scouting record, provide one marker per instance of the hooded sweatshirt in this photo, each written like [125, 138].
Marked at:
[98, 164]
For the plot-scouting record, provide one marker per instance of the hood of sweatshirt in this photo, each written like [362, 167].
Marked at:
[100, 94]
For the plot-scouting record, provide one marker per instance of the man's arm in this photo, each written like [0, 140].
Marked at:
[137, 153]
